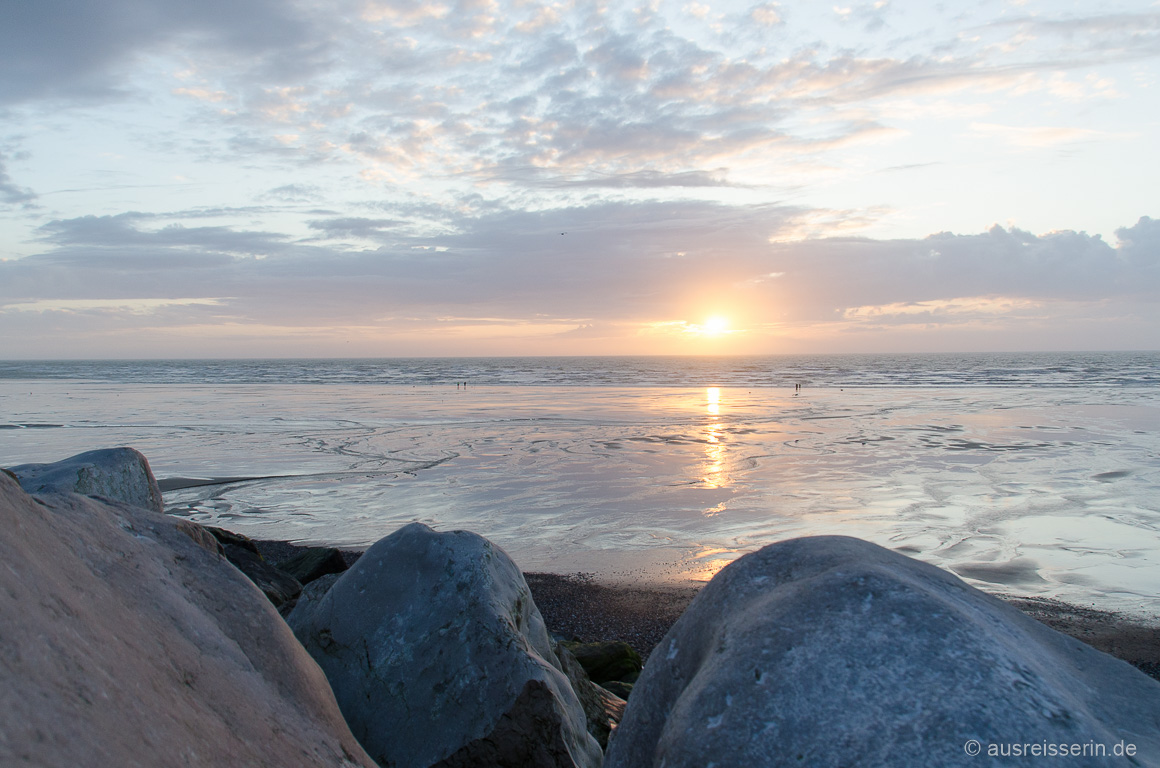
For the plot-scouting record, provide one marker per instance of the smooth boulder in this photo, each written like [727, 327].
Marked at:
[831, 651]
[122, 474]
[438, 656]
[128, 640]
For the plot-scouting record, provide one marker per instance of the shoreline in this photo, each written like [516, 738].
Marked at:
[580, 606]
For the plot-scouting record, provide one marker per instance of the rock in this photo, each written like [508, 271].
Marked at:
[314, 563]
[199, 535]
[617, 688]
[438, 656]
[602, 708]
[279, 587]
[318, 588]
[831, 651]
[311, 593]
[122, 474]
[125, 643]
[607, 661]
[229, 538]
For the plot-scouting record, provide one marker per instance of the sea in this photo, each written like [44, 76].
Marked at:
[1031, 474]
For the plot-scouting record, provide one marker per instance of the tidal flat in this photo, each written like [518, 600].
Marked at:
[1045, 491]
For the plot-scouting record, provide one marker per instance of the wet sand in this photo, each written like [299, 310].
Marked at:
[1035, 491]
[578, 606]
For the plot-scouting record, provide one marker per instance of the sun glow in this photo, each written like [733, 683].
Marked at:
[714, 326]
[712, 332]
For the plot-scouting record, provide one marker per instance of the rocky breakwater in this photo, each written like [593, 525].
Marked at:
[129, 640]
[832, 651]
[122, 474]
[438, 657]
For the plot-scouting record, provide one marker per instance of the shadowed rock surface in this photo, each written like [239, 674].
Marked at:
[277, 585]
[607, 661]
[602, 707]
[121, 474]
[831, 651]
[127, 643]
[311, 593]
[313, 564]
[438, 656]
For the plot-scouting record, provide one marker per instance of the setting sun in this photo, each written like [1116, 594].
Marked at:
[715, 325]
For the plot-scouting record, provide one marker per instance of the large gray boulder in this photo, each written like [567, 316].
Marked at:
[438, 656]
[128, 640]
[832, 651]
[122, 474]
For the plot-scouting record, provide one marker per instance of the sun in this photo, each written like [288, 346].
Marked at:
[715, 325]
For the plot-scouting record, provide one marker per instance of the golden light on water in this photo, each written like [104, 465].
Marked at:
[715, 470]
[705, 564]
[716, 474]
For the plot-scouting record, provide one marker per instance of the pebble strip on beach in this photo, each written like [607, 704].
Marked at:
[577, 606]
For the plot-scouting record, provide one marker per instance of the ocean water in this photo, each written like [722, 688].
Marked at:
[1032, 474]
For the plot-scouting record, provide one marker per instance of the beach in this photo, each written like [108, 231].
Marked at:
[870, 624]
[1045, 486]
[578, 606]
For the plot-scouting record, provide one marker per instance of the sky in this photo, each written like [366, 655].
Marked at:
[349, 178]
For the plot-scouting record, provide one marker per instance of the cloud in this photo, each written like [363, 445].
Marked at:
[872, 16]
[616, 261]
[642, 179]
[409, 161]
[589, 97]
[293, 193]
[1121, 34]
[590, 271]
[11, 193]
[766, 14]
[944, 311]
[123, 233]
[367, 229]
[1140, 248]
[1065, 266]
[83, 49]
[403, 14]
[131, 306]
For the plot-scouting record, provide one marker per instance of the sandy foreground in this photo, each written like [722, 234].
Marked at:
[580, 607]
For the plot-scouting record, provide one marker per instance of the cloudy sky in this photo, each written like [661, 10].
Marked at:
[387, 177]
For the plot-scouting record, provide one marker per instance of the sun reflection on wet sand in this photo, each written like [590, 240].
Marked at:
[707, 562]
[715, 474]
